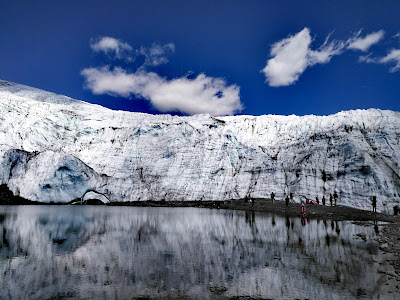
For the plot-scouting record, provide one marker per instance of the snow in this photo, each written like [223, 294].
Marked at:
[54, 148]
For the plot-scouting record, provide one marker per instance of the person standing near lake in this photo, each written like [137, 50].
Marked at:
[303, 208]
[287, 201]
[316, 199]
[272, 197]
[335, 196]
[374, 203]
[323, 200]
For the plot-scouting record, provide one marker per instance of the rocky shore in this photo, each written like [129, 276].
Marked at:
[336, 213]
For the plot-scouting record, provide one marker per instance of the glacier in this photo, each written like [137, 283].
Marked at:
[57, 149]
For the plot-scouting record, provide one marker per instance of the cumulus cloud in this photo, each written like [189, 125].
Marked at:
[392, 57]
[110, 45]
[363, 44]
[292, 56]
[157, 54]
[202, 94]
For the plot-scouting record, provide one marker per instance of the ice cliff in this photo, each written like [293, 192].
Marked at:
[54, 148]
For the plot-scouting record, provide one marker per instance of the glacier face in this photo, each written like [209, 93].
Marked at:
[54, 148]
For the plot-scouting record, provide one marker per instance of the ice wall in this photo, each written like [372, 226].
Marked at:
[54, 148]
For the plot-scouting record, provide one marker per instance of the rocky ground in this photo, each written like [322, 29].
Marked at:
[336, 213]
[389, 239]
[7, 197]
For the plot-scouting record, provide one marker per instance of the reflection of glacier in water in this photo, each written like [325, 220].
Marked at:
[125, 252]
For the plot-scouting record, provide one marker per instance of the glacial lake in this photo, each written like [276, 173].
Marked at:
[98, 252]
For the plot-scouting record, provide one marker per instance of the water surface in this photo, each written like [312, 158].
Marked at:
[98, 252]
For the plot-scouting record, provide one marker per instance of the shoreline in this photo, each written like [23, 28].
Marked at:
[264, 205]
[335, 213]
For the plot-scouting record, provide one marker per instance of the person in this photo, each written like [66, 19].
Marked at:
[335, 196]
[374, 203]
[287, 201]
[323, 200]
[331, 199]
[272, 197]
[317, 200]
[303, 208]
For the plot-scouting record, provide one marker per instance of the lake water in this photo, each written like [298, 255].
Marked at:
[97, 252]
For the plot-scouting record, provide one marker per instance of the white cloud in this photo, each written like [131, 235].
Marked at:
[190, 96]
[367, 59]
[292, 56]
[363, 44]
[392, 57]
[324, 54]
[110, 45]
[156, 54]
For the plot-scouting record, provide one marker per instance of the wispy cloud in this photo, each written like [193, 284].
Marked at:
[157, 54]
[292, 56]
[111, 46]
[392, 57]
[202, 94]
[363, 44]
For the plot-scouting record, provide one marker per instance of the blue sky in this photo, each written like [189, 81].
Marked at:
[188, 57]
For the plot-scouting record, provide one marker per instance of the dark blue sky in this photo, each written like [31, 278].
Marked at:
[46, 44]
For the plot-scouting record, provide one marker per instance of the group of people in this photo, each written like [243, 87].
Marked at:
[396, 208]
[332, 198]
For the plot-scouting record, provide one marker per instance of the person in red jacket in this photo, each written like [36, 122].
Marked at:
[303, 208]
